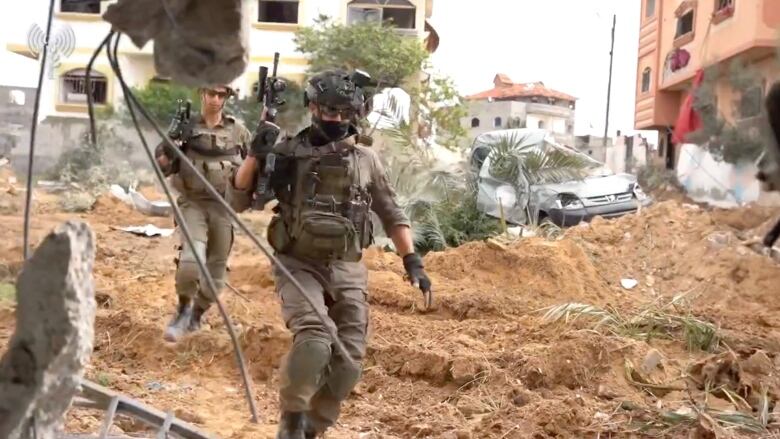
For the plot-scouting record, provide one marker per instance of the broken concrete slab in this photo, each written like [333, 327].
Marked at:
[196, 43]
[41, 371]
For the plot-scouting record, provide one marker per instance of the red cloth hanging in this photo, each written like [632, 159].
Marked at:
[689, 120]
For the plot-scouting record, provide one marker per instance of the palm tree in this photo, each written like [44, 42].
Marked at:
[517, 155]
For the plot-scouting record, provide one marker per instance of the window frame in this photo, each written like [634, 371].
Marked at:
[61, 10]
[79, 74]
[647, 73]
[279, 23]
[497, 122]
[723, 12]
[365, 5]
[475, 122]
[683, 39]
[651, 14]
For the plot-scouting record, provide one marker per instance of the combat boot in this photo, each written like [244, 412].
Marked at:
[196, 320]
[180, 321]
[291, 426]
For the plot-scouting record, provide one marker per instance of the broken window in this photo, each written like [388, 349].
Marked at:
[649, 8]
[497, 122]
[74, 87]
[277, 11]
[475, 122]
[646, 80]
[398, 13]
[80, 6]
[684, 24]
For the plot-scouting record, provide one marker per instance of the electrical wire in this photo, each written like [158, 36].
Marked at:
[113, 60]
[132, 100]
[332, 331]
[36, 109]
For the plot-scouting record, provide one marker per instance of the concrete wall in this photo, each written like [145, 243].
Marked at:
[557, 119]
[627, 154]
[61, 122]
[718, 183]
[487, 112]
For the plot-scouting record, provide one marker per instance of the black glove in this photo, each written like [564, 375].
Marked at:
[264, 140]
[416, 274]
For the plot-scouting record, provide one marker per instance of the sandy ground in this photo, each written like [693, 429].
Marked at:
[484, 363]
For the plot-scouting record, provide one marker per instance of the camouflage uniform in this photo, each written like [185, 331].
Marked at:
[322, 224]
[216, 153]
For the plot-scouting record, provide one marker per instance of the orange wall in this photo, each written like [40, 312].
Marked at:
[751, 31]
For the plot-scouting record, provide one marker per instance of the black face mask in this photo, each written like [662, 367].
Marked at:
[332, 130]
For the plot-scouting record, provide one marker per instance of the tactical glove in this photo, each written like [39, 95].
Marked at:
[264, 140]
[417, 276]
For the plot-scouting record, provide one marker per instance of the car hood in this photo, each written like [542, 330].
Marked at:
[594, 186]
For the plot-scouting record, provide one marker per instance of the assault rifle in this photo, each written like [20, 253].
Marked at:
[180, 125]
[269, 90]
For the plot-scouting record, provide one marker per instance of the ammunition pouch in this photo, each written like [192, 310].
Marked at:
[324, 236]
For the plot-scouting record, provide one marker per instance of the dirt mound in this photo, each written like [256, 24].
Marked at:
[475, 280]
[483, 363]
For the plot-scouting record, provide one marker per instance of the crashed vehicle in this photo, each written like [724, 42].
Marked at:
[564, 203]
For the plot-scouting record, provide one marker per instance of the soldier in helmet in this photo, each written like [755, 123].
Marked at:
[326, 180]
[216, 144]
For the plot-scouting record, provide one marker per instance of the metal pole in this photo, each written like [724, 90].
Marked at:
[609, 85]
[28, 200]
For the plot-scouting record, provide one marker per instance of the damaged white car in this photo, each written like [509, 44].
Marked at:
[546, 181]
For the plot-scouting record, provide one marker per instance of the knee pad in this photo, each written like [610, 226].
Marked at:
[342, 379]
[308, 360]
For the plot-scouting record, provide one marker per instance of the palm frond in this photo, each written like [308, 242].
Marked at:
[569, 312]
[553, 166]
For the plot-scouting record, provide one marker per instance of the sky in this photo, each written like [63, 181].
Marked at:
[563, 43]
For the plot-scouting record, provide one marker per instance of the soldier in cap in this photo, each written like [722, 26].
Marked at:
[326, 180]
[216, 144]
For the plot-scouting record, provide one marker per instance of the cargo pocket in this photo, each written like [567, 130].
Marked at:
[278, 238]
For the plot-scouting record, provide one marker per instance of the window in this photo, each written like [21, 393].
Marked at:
[541, 124]
[74, 87]
[723, 4]
[277, 11]
[475, 122]
[750, 102]
[649, 8]
[570, 129]
[684, 24]
[398, 13]
[646, 80]
[80, 6]
[497, 122]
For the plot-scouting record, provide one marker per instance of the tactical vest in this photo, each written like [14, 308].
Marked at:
[215, 154]
[323, 210]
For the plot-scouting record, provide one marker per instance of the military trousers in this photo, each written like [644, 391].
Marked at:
[212, 235]
[316, 379]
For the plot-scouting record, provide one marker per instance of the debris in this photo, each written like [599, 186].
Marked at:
[149, 230]
[140, 202]
[495, 245]
[41, 371]
[718, 240]
[629, 284]
[652, 361]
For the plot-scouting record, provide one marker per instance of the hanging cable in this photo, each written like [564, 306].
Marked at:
[88, 83]
[113, 60]
[31, 160]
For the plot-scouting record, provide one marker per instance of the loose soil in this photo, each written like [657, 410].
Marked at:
[483, 363]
